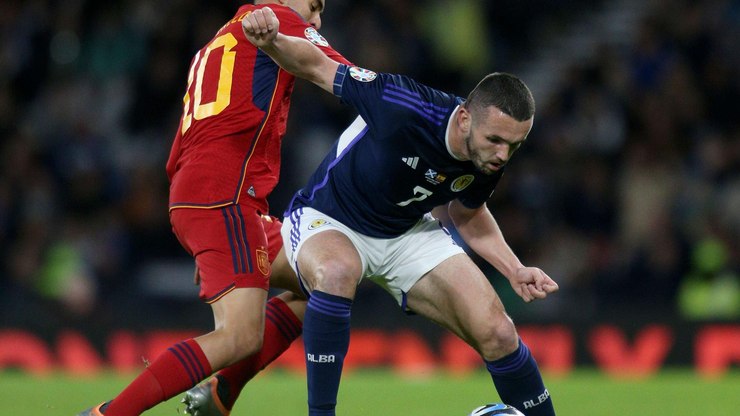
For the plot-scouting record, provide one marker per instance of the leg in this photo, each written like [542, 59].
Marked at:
[239, 321]
[230, 254]
[331, 269]
[456, 295]
[283, 325]
[329, 262]
[186, 363]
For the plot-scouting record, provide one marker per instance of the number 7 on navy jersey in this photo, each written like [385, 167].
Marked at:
[422, 193]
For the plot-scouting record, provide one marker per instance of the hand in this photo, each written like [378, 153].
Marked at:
[261, 27]
[531, 283]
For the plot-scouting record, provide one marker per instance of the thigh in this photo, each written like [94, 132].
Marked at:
[457, 296]
[403, 260]
[241, 311]
[322, 253]
[229, 246]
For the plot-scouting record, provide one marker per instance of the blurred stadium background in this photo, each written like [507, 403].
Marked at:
[627, 192]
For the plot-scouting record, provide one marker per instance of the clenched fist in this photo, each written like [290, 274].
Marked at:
[261, 27]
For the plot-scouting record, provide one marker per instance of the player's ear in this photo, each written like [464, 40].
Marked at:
[464, 120]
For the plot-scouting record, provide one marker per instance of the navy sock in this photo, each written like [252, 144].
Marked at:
[519, 383]
[326, 341]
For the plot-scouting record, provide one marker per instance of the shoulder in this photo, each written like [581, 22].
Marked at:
[425, 102]
[392, 85]
[404, 86]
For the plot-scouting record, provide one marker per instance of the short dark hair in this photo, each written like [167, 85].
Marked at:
[505, 92]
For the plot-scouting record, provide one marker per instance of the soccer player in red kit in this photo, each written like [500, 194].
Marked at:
[224, 162]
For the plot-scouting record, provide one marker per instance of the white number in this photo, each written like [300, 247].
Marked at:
[418, 190]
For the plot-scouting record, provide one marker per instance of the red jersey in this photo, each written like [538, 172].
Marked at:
[227, 147]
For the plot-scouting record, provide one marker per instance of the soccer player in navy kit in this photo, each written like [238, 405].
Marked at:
[364, 214]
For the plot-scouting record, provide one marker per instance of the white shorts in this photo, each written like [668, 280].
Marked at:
[395, 264]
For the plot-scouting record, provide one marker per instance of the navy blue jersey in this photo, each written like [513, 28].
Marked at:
[392, 164]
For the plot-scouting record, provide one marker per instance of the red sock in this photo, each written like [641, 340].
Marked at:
[282, 327]
[179, 368]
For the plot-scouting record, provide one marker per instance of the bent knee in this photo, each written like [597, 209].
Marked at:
[498, 339]
[240, 346]
[248, 345]
[337, 277]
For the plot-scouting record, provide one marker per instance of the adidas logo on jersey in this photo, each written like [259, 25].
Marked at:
[411, 161]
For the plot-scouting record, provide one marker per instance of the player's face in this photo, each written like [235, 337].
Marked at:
[493, 139]
[308, 9]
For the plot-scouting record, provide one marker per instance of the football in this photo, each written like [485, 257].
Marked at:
[495, 409]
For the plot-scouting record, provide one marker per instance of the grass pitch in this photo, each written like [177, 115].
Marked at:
[583, 392]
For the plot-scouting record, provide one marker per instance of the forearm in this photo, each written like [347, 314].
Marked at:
[302, 59]
[481, 233]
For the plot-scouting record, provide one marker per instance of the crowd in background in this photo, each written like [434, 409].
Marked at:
[627, 191]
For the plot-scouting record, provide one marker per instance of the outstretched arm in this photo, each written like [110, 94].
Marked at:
[295, 55]
[481, 232]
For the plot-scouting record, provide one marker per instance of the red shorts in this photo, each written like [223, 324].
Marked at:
[233, 246]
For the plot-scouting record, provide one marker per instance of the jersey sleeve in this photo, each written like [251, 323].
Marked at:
[386, 101]
[292, 24]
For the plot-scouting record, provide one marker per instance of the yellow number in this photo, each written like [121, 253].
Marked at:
[223, 93]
